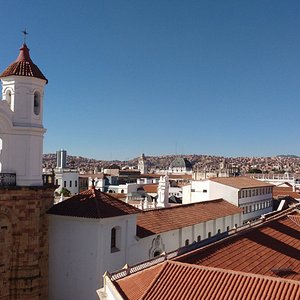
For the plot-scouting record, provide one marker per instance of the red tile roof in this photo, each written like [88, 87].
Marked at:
[166, 219]
[23, 66]
[285, 191]
[92, 204]
[241, 182]
[176, 280]
[150, 188]
[273, 249]
[137, 284]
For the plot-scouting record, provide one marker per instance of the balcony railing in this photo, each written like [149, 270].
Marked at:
[7, 179]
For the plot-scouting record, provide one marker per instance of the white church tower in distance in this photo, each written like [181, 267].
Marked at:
[163, 192]
[142, 164]
[21, 120]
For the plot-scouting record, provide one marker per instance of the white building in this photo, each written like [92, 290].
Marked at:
[65, 177]
[93, 232]
[21, 120]
[253, 196]
[68, 179]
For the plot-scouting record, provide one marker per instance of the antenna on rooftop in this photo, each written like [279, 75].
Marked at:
[24, 33]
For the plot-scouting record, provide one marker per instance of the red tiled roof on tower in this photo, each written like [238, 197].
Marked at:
[23, 66]
[92, 204]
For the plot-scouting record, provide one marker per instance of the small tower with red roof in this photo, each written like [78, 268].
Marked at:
[21, 127]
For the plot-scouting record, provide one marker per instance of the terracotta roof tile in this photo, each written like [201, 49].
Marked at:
[134, 288]
[272, 249]
[241, 182]
[285, 191]
[23, 66]
[150, 188]
[176, 280]
[92, 204]
[165, 219]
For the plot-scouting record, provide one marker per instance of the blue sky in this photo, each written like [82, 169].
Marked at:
[163, 77]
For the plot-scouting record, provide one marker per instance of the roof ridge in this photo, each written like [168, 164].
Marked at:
[247, 274]
[185, 205]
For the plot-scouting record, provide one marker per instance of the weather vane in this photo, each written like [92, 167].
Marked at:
[25, 33]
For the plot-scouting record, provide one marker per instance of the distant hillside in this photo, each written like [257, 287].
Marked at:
[279, 163]
[288, 155]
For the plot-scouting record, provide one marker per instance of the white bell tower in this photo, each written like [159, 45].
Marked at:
[142, 164]
[163, 191]
[21, 120]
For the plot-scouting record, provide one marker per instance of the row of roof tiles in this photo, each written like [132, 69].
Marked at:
[176, 280]
[23, 66]
[272, 249]
[259, 263]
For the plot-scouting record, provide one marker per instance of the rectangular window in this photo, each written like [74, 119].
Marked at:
[65, 184]
[204, 191]
[70, 183]
[192, 190]
[209, 235]
[75, 183]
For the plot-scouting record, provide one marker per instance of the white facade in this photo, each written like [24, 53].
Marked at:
[254, 201]
[151, 246]
[21, 128]
[67, 179]
[80, 253]
[81, 249]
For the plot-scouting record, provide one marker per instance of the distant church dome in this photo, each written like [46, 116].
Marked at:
[180, 162]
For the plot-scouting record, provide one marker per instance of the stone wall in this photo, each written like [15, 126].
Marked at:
[24, 242]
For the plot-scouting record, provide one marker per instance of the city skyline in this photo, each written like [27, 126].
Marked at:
[163, 77]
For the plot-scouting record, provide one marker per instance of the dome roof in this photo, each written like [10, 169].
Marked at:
[180, 162]
[23, 66]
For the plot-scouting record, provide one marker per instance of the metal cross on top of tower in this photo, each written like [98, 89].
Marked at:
[25, 33]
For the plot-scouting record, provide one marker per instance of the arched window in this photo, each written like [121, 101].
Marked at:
[156, 253]
[187, 242]
[198, 238]
[8, 97]
[115, 239]
[37, 103]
